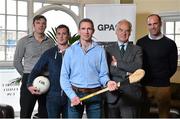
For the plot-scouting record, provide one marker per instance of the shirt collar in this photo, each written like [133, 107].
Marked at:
[121, 43]
[157, 38]
[92, 45]
[32, 35]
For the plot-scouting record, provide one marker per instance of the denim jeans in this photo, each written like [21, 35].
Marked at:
[93, 107]
[56, 105]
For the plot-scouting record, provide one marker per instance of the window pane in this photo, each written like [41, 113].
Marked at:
[75, 9]
[11, 22]
[178, 52]
[177, 24]
[37, 6]
[67, 20]
[170, 36]
[169, 27]
[2, 23]
[10, 52]
[2, 6]
[10, 44]
[11, 7]
[2, 53]
[22, 23]
[2, 37]
[21, 34]
[177, 40]
[22, 8]
[11, 37]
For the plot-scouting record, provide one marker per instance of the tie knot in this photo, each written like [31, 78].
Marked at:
[122, 47]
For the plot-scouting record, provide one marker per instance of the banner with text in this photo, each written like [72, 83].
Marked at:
[106, 16]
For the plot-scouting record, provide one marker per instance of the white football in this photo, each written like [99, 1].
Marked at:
[42, 84]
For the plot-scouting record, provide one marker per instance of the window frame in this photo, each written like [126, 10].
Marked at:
[171, 17]
[30, 13]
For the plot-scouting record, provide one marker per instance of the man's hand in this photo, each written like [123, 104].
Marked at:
[112, 85]
[33, 90]
[75, 101]
[114, 61]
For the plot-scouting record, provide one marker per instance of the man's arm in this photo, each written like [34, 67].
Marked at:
[173, 58]
[18, 56]
[104, 71]
[65, 75]
[36, 71]
[39, 68]
[134, 64]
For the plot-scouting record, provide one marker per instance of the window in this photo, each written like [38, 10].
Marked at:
[13, 14]
[171, 28]
[14, 22]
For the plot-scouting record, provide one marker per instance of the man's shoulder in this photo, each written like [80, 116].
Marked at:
[111, 45]
[134, 46]
[143, 38]
[52, 49]
[24, 39]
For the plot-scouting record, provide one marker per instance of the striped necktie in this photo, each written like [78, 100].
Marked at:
[122, 51]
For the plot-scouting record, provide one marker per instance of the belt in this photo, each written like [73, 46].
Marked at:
[85, 90]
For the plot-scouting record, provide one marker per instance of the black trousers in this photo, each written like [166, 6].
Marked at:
[28, 101]
[122, 110]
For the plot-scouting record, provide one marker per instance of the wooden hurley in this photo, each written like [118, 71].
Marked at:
[133, 78]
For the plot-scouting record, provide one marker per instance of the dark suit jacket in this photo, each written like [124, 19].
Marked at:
[131, 61]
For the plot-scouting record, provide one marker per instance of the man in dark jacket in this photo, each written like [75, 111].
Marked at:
[52, 59]
[124, 58]
[159, 63]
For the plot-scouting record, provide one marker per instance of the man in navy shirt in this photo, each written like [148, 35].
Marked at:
[52, 59]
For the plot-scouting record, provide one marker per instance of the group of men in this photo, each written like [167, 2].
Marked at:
[85, 67]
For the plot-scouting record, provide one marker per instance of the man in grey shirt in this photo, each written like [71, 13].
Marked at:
[29, 49]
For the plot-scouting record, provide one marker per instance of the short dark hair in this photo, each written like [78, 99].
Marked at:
[86, 20]
[37, 17]
[64, 26]
[156, 16]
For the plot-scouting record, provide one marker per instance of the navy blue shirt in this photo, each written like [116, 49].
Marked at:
[50, 60]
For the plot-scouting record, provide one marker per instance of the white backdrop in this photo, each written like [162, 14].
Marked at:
[105, 17]
[9, 92]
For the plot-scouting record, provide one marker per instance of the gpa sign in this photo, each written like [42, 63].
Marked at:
[106, 16]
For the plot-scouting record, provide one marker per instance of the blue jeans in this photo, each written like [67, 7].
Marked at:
[92, 105]
[56, 105]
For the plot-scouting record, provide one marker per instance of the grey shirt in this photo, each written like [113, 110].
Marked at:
[30, 50]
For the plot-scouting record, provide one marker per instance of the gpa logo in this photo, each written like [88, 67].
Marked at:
[106, 27]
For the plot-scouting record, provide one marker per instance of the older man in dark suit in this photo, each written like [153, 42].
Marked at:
[124, 58]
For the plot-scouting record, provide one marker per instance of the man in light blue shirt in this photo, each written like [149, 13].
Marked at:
[84, 71]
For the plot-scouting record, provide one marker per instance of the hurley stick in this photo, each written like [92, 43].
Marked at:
[133, 78]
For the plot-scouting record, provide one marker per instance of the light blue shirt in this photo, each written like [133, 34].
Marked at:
[83, 69]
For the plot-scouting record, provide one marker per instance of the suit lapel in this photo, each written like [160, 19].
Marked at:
[128, 51]
[117, 51]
